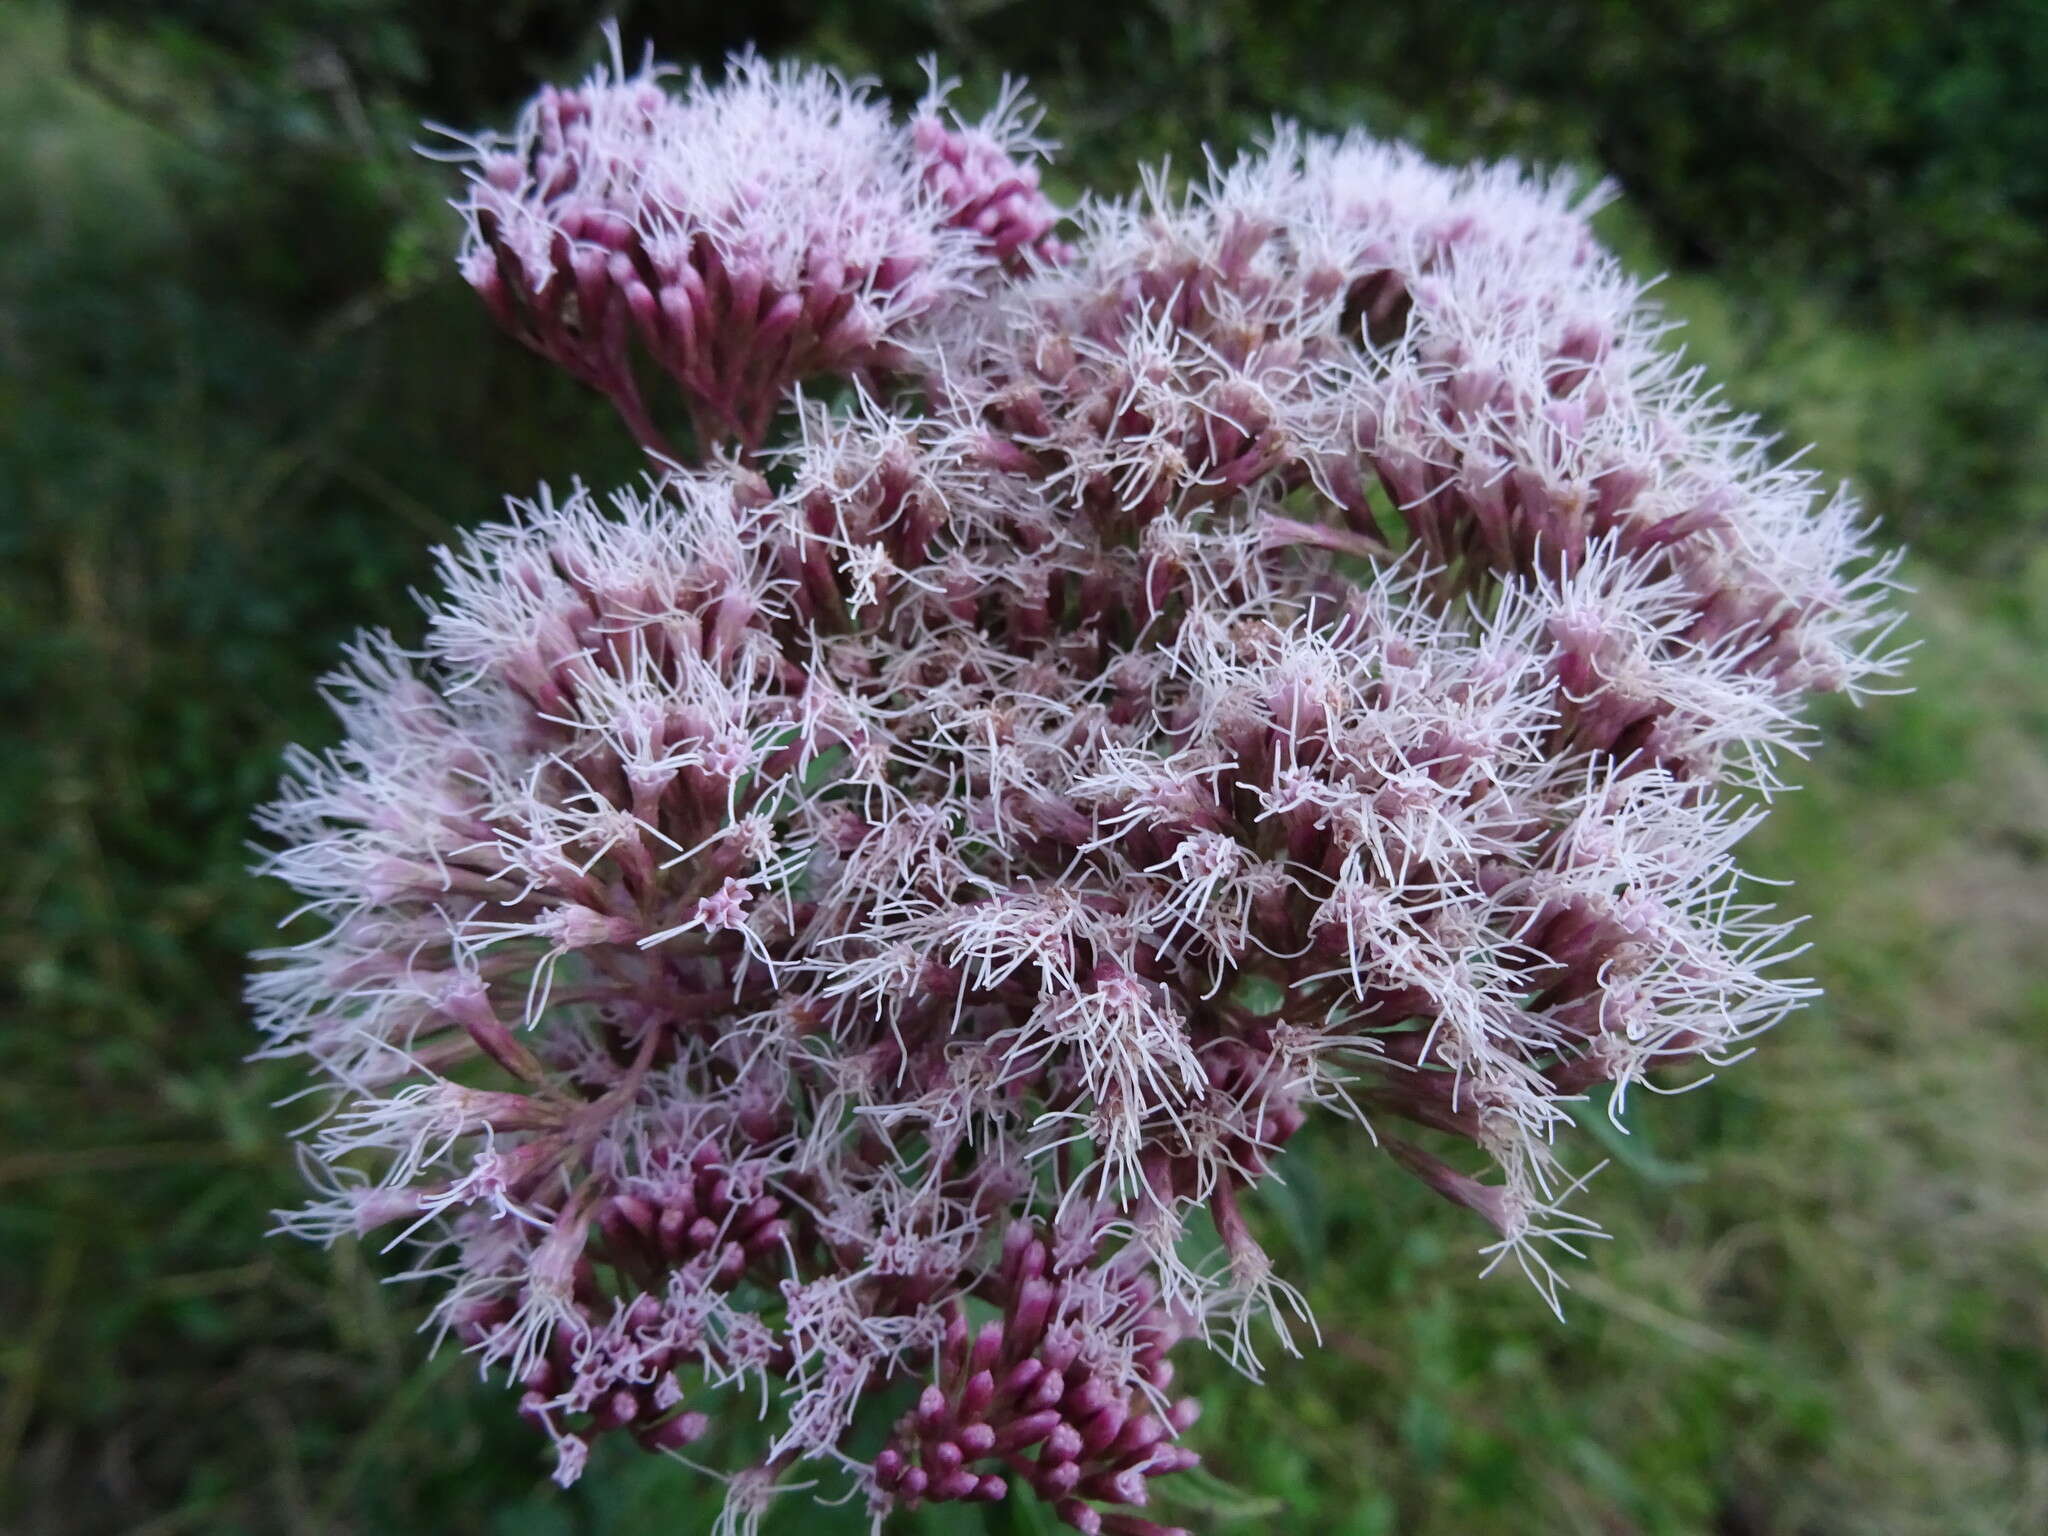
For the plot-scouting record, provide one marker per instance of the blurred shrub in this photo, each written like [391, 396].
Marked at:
[1894, 149]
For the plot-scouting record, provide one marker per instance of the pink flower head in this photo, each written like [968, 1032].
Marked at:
[1304, 648]
[739, 235]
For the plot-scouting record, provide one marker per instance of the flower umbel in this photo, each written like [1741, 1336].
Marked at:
[843, 915]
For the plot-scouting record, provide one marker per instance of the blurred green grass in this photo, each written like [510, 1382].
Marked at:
[240, 395]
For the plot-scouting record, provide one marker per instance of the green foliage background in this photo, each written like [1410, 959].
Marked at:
[241, 394]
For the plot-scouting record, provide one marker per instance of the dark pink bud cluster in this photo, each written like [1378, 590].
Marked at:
[1304, 647]
[737, 237]
[685, 1233]
[1022, 1398]
[987, 174]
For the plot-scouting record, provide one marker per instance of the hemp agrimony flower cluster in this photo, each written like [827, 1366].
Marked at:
[818, 950]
